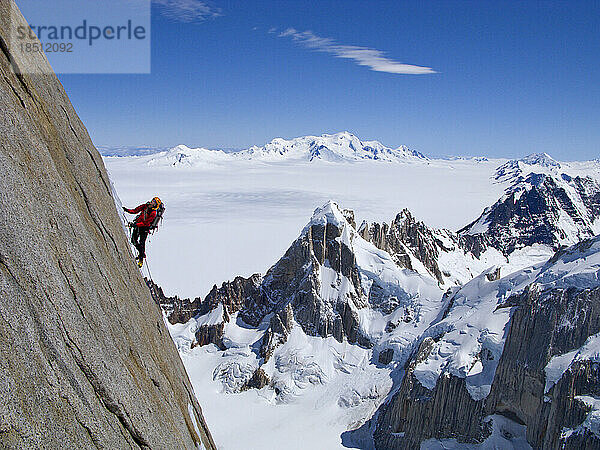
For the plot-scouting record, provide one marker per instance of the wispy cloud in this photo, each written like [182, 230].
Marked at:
[187, 10]
[363, 56]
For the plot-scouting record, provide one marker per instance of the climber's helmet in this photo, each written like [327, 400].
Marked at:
[155, 203]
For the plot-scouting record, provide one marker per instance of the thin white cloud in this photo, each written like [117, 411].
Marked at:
[363, 56]
[187, 10]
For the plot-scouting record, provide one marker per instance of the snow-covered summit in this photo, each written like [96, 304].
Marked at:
[328, 213]
[541, 159]
[342, 146]
[182, 155]
[548, 207]
[533, 163]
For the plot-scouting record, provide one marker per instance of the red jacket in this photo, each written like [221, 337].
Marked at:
[146, 217]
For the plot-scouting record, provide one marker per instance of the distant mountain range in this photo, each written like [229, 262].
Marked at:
[339, 147]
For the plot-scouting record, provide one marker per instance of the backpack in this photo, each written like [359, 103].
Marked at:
[159, 215]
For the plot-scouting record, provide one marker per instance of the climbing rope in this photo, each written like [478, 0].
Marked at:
[148, 269]
[147, 265]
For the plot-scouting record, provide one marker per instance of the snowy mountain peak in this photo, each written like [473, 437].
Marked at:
[182, 155]
[533, 163]
[540, 159]
[329, 213]
[343, 146]
[549, 208]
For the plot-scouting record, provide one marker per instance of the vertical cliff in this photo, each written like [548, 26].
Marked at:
[85, 358]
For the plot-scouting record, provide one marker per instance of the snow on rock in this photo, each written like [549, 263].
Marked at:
[556, 368]
[451, 258]
[213, 317]
[329, 213]
[535, 162]
[592, 421]
[472, 334]
[505, 434]
[547, 208]
[559, 364]
[184, 334]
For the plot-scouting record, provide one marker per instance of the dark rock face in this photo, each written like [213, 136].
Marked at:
[349, 216]
[543, 325]
[385, 356]
[406, 233]
[582, 377]
[258, 381]
[178, 310]
[277, 334]
[241, 294]
[85, 360]
[550, 323]
[416, 413]
[295, 279]
[530, 213]
[210, 334]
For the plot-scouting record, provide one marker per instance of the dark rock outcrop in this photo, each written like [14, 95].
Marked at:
[210, 334]
[178, 310]
[241, 294]
[406, 233]
[277, 334]
[258, 381]
[530, 213]
[86, 360]
[385, 356]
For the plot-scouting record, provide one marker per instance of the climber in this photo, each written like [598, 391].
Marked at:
[149, 215]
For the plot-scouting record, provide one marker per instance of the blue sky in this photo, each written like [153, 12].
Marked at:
[510, 78]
